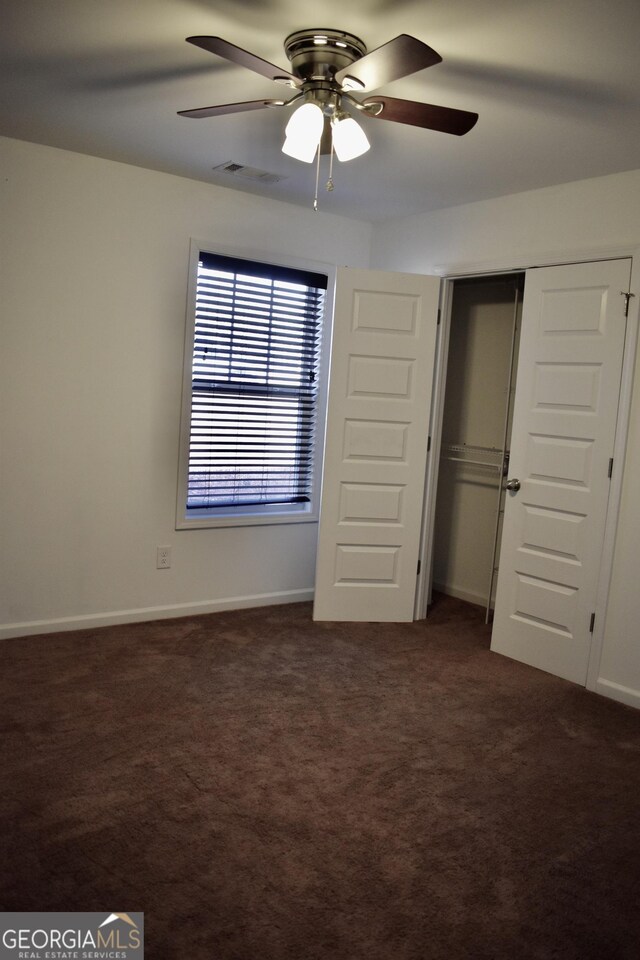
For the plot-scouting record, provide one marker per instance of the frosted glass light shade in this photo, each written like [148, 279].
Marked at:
[349, 139]
[303, 132]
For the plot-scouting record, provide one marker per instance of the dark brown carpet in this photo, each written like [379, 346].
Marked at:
[263, 788]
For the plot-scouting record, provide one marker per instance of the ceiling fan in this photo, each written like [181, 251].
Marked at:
[327, 68]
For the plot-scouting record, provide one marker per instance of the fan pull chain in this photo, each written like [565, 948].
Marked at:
[315, 199]
[330, 180]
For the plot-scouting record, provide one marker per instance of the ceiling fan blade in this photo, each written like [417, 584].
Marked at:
[223, 108]
[398, 58]
[222, 48]
[443, 119]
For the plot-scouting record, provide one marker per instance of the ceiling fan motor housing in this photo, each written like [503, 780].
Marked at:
[319, 54]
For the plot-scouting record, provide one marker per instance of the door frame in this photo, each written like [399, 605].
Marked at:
[455, 272]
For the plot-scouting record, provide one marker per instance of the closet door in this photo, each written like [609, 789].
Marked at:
[382, 361]
[567, 391]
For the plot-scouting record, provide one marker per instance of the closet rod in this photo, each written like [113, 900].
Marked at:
[476, 463]
[463, 447]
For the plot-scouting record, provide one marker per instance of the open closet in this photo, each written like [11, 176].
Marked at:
[519, 495]
[476, 435]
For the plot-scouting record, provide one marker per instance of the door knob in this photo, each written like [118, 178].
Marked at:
[513, 485]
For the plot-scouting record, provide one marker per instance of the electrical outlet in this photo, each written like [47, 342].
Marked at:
[163, 558]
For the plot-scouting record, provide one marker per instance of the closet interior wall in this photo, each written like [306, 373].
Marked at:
[480, 384]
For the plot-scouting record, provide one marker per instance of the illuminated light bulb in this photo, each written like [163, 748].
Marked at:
[303, 133]
[349, 139]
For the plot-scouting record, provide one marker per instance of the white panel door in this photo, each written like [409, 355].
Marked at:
[382, 361]
[567, 390]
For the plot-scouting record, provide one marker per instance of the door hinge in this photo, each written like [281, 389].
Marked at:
[428, 444]
[627, 298]
[440, 312]
[610, 468]
[592, 622]
[419, 568]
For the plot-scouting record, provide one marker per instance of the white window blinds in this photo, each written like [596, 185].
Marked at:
[254, 383]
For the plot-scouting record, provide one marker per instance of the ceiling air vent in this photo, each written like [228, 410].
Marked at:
[248, 173]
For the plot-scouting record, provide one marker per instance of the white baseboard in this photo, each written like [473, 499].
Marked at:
[451, 591]
[615, 691]
[89, 621]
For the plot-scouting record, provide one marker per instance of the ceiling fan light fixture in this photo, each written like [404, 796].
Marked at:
[349, 139]
[303, 132]
[326, 66]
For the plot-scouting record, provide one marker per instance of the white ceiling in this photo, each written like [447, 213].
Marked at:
[556, 84]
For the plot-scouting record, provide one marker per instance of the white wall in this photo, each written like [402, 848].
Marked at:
[93, 278]
[566, 222]
[574, 219]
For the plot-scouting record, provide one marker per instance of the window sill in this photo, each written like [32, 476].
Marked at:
[203, 519]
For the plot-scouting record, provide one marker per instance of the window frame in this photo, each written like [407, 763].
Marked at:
[255, 514]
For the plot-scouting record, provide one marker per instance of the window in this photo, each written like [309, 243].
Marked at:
[253, 391]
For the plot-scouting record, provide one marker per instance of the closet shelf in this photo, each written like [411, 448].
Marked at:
[472, 454]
